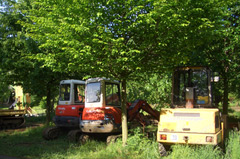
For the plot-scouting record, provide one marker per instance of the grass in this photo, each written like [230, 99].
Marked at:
[192, 152]
[202, 152]
[234, 101]
[233, 145]
[29, 144]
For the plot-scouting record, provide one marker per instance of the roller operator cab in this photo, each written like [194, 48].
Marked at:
[192, 118]
[192, 87]
[102, 113]
[71, 103]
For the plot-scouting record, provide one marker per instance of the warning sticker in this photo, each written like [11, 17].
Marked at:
[174, 137]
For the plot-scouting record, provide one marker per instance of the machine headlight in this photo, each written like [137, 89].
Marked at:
[209, 139]
[163, 137]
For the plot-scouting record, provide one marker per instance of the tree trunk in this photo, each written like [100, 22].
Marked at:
[48, 109]
[225, 94]
[225, 84]
[226, 65]
[124, 113]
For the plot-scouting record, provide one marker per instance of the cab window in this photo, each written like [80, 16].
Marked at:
[79, 91]
[64, 92]
[93, 92]
[197, 79]
[112, 94]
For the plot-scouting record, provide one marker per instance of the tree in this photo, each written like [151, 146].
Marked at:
[119, 39]
[98, 37]
[4, 90]
[221, 53]
[154, 88]
[230, 50]
[18, 63]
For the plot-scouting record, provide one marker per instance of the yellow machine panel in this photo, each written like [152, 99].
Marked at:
[192, 126]
[20, 96]
[190, 138]
[188, 120]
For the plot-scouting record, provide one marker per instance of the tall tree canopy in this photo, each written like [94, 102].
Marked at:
[121, 39]
[117, 39]
[18, 65]
[222, 51]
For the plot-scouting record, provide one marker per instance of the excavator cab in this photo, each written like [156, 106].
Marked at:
[102, 92]
[71, 103]
[193, 119]
[102, 112]
[68, 113]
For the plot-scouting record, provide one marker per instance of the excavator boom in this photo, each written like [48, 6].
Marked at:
[134, 109]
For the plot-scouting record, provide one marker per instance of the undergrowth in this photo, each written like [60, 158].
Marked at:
[29, 144]
[233, 145]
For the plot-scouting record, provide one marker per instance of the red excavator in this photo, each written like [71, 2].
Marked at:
[102, 112]
[69, 109]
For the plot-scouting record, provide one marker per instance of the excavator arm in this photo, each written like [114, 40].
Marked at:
[136, 106]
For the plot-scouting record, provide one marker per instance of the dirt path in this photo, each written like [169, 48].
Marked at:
[23, 128]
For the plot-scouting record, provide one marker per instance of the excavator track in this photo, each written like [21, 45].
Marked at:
[73, 135]
[11, 119]
[11, 122]
[51, 133]
[113, 138]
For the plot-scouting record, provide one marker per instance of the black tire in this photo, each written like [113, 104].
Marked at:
[162, 150]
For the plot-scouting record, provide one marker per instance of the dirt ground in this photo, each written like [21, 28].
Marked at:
[24, 127]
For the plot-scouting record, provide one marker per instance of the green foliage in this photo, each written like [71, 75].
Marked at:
[155, 89]
[141, 146]
[119, 38]
[44, 41]
[190, 152]
[29, 144]
[43, 103]
[5, 91]
[20, 63]
[233, 146]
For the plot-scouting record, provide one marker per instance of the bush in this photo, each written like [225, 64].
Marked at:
[138, 146]
[43, 103]
[233, 145]
[192, 152]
